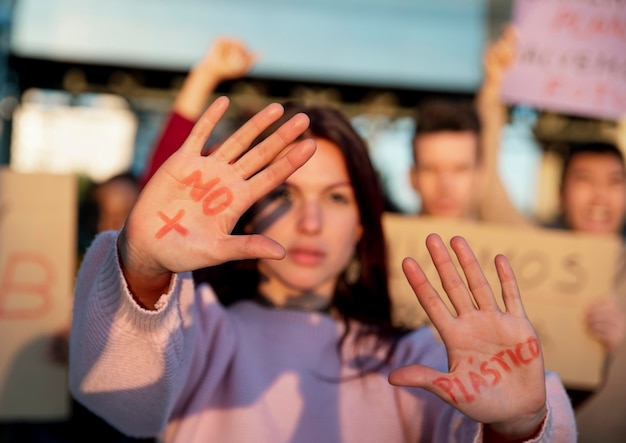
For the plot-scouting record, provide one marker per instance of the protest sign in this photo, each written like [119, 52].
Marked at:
[570, 57]
[559, 274]
[37, 266]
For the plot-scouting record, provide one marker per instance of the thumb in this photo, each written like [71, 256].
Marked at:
[253, 246]
[414, 375]
[439, 383]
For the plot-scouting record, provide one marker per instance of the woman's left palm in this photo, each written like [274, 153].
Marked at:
[496, 372]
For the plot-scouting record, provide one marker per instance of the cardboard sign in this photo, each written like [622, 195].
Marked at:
[570, 57]
[37, 268]
[559, 274]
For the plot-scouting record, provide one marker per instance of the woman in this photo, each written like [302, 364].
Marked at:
[306, 350]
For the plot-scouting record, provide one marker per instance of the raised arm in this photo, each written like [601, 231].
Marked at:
[495, 204]
[496, 374]
[183, 217]
[226, 59]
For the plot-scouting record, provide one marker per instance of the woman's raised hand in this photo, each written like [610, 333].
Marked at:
[496, 373]
[227, 59]
[184, 216]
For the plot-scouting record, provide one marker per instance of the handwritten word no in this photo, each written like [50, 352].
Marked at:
[213, 201]
[26, 297]
[210, 203]
[489, 372]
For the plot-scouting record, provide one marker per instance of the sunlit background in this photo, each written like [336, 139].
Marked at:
[87, 83]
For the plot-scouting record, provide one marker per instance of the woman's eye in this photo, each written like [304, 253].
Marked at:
[339, 198]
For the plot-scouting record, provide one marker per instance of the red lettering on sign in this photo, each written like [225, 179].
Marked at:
[605, 24]
[41, 277]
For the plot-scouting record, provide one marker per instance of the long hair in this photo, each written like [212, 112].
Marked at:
[367, 299]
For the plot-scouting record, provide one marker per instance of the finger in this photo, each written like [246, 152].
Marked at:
[438, 383]
[510, 291]
[602, 323]
[414, 375]
[240, 141]
[600, 313]
[476, 280]
[600, 328]
[607, 304]
[242, 247]
[451, 281]
[510, 33]
[427, 296]
[205, 125]
[268, 149]
[277, 172]
[613, 317]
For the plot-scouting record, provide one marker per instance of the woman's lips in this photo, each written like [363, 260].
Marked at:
[306, 256]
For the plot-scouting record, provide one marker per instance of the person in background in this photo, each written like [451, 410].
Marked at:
[106, 205]
[593, 200]
[455, 150]
[295, 341]
[592, 190]
[226, 59]
[447, 173]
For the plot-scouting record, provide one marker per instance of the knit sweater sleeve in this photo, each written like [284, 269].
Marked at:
[132, 366]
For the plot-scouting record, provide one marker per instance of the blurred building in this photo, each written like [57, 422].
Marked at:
[118, 65]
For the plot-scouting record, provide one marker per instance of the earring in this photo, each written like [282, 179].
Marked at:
[353, 271]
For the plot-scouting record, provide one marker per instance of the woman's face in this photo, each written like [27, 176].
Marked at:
[315, 216]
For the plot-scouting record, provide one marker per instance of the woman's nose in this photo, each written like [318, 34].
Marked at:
[310, 217]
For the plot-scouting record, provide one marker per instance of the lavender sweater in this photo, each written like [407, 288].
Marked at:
[194, 371]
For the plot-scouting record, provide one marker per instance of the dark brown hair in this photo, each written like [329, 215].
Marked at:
[446, 115]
